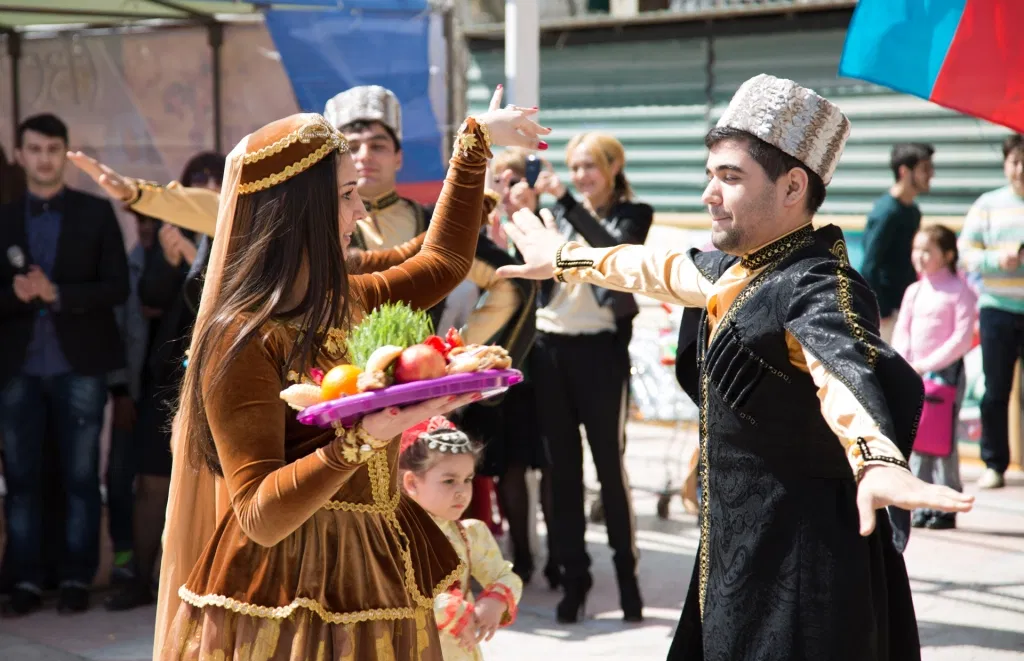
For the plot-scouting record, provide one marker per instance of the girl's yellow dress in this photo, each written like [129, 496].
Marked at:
[483, 561]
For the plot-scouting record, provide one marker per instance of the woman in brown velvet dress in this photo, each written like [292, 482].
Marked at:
[316, 554]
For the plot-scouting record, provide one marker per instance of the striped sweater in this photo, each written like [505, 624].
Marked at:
[994, 224]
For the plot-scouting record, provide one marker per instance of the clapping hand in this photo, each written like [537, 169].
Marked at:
[548, 182]
[41, 285]
[176, 245]
[24, 288]
[537, 241]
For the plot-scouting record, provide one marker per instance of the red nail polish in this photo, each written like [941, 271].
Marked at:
[477, 397]
[542, 145]
[533, 108]
[500, 86]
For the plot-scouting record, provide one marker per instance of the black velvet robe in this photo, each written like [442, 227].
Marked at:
[782, 572]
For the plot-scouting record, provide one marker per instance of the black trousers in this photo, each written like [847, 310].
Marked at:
[1002, 345]
[584, 380]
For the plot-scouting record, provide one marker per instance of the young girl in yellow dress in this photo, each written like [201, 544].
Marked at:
[438, 463]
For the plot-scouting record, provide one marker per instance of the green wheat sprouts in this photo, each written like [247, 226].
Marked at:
[390, 324]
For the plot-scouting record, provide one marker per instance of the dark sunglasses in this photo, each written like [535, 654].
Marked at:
[202, 179]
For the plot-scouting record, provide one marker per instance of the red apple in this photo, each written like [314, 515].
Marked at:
[419, 363]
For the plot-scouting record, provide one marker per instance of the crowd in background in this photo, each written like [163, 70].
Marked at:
[88, 324]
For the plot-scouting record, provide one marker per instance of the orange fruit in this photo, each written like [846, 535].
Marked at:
[340, 381]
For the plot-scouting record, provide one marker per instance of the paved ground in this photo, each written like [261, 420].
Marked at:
[968, 585]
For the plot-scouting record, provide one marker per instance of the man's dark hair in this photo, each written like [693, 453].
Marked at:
[362, 125]
[909, 154]
[49, 125]
[207, 162]
[1013, 142]
[772, 160]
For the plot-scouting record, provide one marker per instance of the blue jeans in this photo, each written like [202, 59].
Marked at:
[75, 404]
[1002, 344]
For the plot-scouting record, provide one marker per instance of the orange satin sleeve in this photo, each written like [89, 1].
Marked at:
[430, 275]
[270, 497]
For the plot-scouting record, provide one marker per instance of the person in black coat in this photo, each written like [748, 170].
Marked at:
[67, 269]
[169, 289]
[581, 370]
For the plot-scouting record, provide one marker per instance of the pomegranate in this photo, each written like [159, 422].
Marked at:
[419, 363]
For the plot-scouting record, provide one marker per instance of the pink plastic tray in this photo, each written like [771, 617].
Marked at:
[349, 409]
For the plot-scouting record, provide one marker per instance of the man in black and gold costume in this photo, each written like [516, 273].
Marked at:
[806, 416]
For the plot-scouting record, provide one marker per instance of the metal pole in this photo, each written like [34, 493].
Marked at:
[522, 87]
[216, 38]
[522, 52]
[14, 51]
[451, 84]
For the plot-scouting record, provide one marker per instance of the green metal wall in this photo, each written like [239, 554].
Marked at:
[652, 95]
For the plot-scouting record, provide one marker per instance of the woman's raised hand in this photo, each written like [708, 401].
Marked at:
[512, 126]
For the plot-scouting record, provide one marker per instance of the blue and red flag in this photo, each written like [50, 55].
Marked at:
[966, 55]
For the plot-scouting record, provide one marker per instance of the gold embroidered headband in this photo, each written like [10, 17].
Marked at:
[282, 149]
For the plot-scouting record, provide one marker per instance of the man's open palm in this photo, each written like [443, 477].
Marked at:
[881, 486]
[537, 241]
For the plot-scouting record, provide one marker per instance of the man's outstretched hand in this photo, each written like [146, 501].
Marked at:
[881, 486]
[537, 242]
[116, 186]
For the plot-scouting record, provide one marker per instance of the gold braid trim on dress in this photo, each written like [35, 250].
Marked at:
[282, 612]
[386, 504]
[380, 483]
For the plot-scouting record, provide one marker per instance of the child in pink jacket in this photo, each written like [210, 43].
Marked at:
[934, 331]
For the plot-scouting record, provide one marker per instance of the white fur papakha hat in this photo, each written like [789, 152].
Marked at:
[808, 127]
[368, 103]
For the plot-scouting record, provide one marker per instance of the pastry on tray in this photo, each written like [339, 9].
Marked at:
[390, 350]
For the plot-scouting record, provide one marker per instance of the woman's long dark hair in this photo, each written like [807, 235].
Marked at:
[278, 236]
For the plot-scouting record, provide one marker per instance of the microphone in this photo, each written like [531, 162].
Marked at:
[16, 258]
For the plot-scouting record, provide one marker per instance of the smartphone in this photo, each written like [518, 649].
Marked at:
[532, 169]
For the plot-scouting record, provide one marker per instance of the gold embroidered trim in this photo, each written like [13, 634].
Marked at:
[792, 243]
[291, 170]
[282, 612]
[385, 504]
[382, 202]
[486, 132]
[844, 294]
[467, 141]
[704, 559]
[364, 508]
[380, 484]
[358, 446]
[762, 257]
[319, 129]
